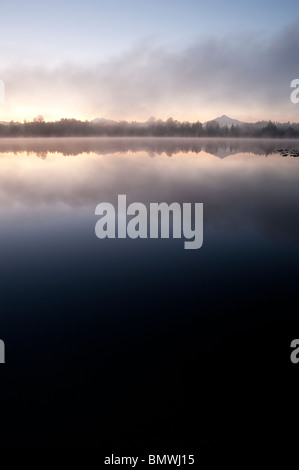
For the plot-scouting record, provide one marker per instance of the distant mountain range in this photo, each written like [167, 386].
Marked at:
[222, 121]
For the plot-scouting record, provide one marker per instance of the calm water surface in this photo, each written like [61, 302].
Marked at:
[120, 341]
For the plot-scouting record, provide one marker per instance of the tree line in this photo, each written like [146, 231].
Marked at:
[151, 128]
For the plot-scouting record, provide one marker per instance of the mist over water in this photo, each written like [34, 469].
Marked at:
[76, 308]
[244, 184]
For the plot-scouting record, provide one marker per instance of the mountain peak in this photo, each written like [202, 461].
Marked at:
[225, 120]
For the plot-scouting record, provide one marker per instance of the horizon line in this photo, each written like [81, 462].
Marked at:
[40, 118]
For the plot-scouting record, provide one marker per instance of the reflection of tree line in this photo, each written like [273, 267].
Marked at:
[151, 146]
[152, 127]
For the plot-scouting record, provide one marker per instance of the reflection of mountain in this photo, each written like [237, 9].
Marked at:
[219, 147]
[223, 152]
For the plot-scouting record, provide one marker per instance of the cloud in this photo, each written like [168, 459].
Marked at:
[241, 74]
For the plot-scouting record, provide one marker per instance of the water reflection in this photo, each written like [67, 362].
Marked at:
[253, 188]
[107, 336]
[221, 147]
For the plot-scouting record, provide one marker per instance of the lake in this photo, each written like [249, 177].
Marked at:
[138, 342]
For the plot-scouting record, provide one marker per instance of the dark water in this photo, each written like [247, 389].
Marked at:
[139, 345]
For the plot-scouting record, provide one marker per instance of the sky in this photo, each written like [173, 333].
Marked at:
[191, 60]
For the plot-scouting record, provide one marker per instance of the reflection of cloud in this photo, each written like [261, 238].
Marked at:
[241, 193]
[237, 72]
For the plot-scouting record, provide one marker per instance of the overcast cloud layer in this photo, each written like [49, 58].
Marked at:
[247, 76]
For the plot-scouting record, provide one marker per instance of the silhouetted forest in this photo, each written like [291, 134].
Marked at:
[151, 128]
